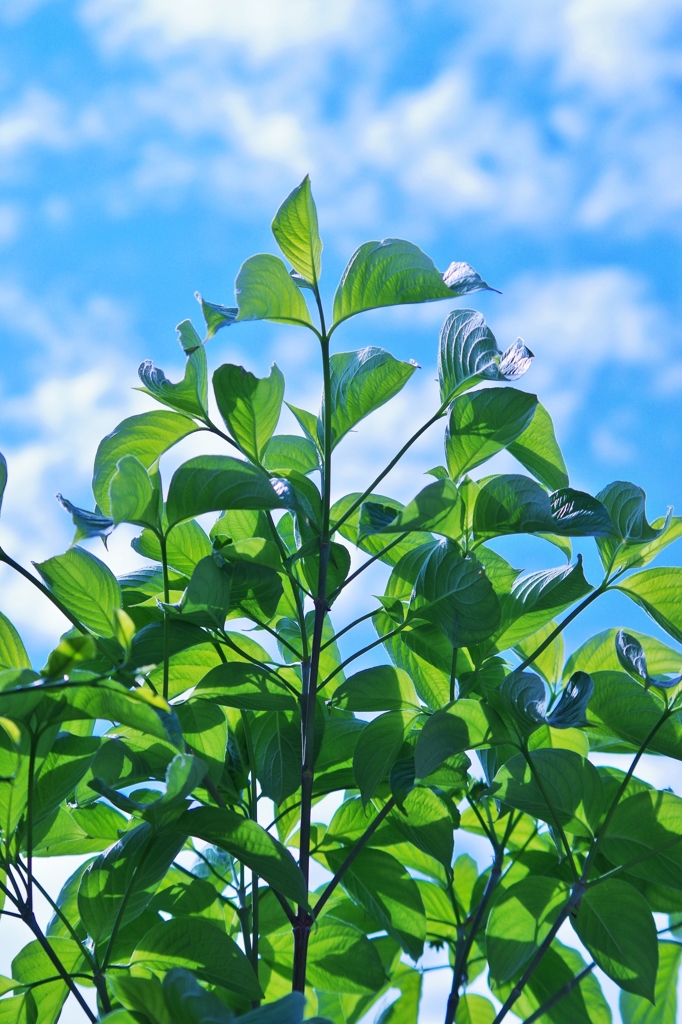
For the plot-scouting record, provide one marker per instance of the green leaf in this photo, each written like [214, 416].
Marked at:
[86, 586]
[204, 727]
[382, 688]
[207, 598]
[453, 593]
[186, 545]
[393, 272]
[599, 654]
[287, 452]
[537, 449]
[342, 959]
[519, 922]
[625, 709]
[569, 782]
[141, 994]
[549, 663]
[560, 964]
[474, 1009]
[405, 1009]
[215, 315]
[242, 685]
[465, 725]
[371, 543]
[377, 748]
[133, 867]
[198, 945]
[249, 406]
[536, 599]
[659, 593]
[190, 395]
[425, 821]
[146, 437]
[296, 231]
[12, 651]
[482, 424]
[33, 965]
[265, 291]
[384, 888]
[132, 496]
[616, 925]
[469, 353]
[251, 844]
[636, 1010]
[647, 828]
[626, 504]
[362, 382]
[288, 1010]
[211, 483]
[436, 509]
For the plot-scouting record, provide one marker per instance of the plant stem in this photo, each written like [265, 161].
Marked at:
[564, 991]
[351, 625]
[166, 624]
[362, 841]
[310, 671]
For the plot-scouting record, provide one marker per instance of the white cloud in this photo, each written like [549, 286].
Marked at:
[261, 29]
[581, 325]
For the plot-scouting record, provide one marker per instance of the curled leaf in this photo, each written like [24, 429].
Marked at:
[632, 657]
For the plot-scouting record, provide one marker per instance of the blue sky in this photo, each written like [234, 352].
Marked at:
[146, 144]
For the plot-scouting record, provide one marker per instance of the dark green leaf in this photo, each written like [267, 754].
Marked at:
[510, 504]
[186, 545]
[626, 504]
[146, 436]
[277, 746]
[88, 524]
[342, 959]
[198, 945]
[569, 782]
[242, 685]
[464, 726]
[482, 424]
[295, 228]
[519, 921]
[616, 925]
[86, 586]
[377, 748]
[537, 449]
[134, 866]
[536, 599]
[632, 658]
[599, 654]
[265, 291]
[250, 843]
[361, 382]
[385, 889]
[249, 406]
[625, 709]
[214, 482]
[453, 592]
[468, 354]
[393, 272]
